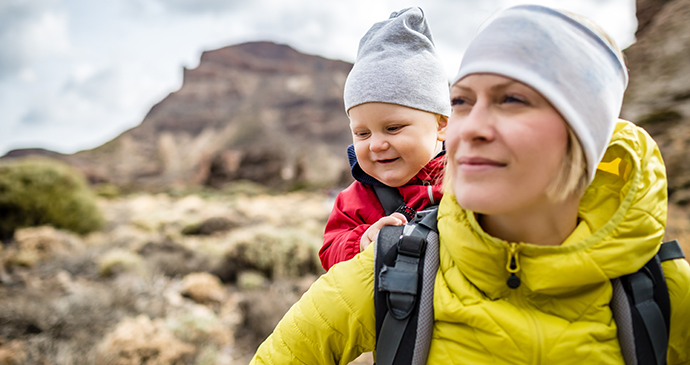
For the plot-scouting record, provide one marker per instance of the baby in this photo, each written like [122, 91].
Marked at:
[397, 99]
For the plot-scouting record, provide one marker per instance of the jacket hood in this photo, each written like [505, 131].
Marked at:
[622, 221]
[431, 171]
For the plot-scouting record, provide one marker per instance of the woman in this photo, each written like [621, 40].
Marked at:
[549, 198]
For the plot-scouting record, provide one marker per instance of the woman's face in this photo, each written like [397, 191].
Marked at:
[505, 142]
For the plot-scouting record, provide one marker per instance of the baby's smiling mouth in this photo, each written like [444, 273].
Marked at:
[386, 161]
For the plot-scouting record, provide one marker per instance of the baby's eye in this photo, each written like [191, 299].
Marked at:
[394, 128]
[361, 135]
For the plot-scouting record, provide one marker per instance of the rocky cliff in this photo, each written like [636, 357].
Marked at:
[658, 95]
[257, 111]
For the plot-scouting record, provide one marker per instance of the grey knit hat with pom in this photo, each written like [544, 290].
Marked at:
[397, 63]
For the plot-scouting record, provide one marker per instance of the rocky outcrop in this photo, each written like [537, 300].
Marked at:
[256, 111]
[658, 95]
[645, 12]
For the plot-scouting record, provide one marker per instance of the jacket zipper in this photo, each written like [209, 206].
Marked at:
[513, 267]
[533, 325]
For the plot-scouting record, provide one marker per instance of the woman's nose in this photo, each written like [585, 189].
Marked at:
[477, 124]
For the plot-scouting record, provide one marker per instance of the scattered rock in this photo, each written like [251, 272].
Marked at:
[37, 244]
[203, 287]
[139, 340]
[12, 352]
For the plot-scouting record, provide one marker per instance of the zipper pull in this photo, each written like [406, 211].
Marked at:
[513, 266]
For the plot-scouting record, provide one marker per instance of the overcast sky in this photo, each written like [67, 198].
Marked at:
[76, 73]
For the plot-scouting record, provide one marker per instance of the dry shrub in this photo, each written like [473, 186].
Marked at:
[118, 261]
[203, 287]
[275, 252]
[263, 309]
[38, 244]
[173, 259]
[250, 279]
[201, 326]
[57, 317]
[210, 226]
[141, 341]
[40, 191]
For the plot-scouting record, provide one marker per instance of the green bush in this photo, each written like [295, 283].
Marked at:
[41, 191]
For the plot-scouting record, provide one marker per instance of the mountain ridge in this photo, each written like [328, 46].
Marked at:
[259, 111]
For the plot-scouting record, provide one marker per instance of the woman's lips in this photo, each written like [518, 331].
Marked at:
[478, 164]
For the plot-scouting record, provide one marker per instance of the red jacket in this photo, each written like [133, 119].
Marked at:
[357, 207]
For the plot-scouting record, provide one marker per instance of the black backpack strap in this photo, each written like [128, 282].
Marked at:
[400, 289]
[392, 201]
[389, 197]
[644, 318]
[670, 250]
[650, 306]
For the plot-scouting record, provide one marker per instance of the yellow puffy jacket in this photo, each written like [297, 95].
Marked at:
[559, 314]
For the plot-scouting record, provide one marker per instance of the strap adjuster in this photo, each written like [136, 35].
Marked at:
[412, 246]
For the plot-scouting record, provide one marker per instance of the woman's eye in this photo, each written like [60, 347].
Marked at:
[457, 101]
[513, 99]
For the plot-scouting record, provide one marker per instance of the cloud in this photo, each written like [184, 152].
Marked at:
[201, 6]
[35, 117]
[103, 87]
[73, 71]
[29, 31]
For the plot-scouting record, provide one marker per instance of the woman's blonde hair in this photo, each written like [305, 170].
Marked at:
[572, 177]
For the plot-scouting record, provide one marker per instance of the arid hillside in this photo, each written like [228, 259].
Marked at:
[194, 279]
[255, 111]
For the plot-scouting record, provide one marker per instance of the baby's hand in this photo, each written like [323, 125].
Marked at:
[395, 219]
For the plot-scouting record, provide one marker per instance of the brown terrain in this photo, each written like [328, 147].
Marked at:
[202, 278]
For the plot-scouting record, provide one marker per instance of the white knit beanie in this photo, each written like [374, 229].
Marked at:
[397, 63]
[568, 63]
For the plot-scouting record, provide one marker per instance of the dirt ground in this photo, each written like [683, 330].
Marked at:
[171, 280]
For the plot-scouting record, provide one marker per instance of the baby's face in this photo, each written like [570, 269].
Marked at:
[393, 142]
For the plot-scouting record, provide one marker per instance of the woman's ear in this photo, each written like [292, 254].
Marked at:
[441, 128]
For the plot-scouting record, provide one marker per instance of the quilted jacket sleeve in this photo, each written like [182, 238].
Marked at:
[333, 323]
